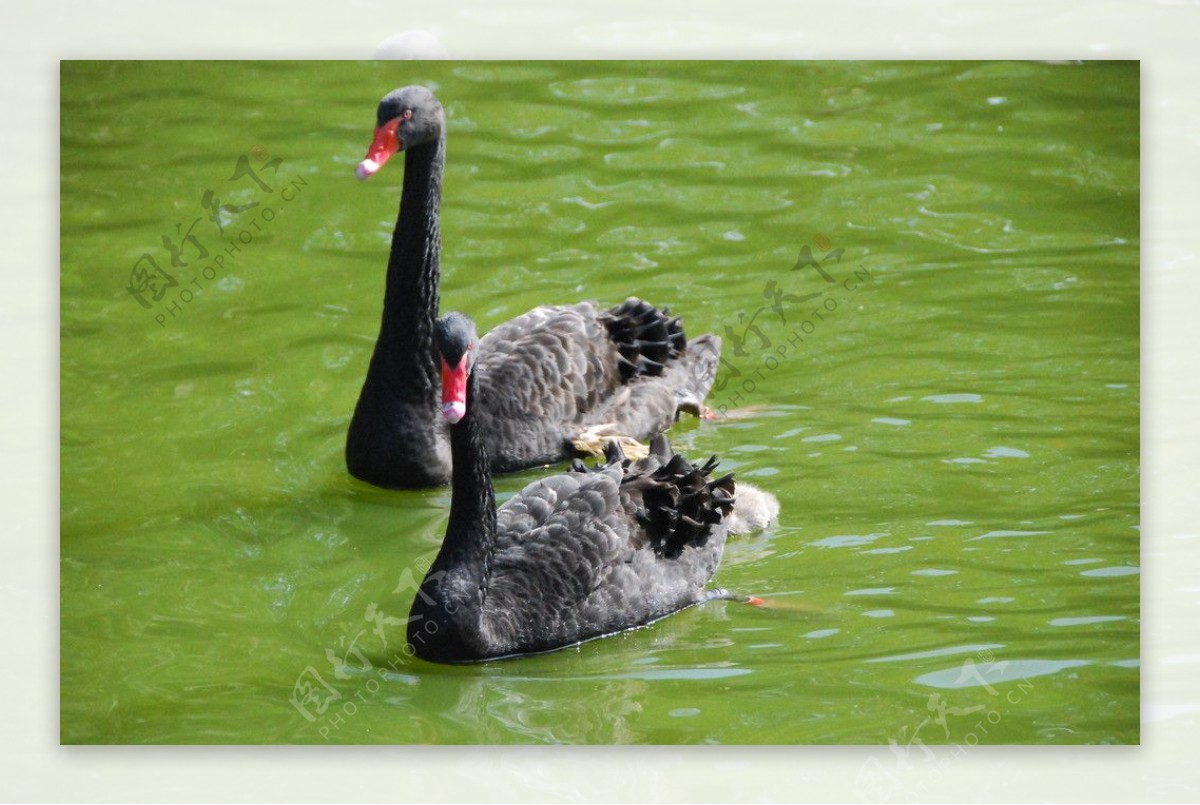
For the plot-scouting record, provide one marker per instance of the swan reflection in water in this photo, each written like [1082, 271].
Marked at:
[607, 689]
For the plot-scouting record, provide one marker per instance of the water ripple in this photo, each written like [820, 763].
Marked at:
[983, 674]
[638, 91]
[939, 652]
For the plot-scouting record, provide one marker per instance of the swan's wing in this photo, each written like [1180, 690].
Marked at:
[556, 542]
[542, 369]
[555, 372]
[650, 405]
[589, 553]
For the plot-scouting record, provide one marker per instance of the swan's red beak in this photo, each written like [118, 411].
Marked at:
[454, 390]
[382, 147]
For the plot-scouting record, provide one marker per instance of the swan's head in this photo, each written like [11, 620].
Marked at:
[454, 340]
[406, 118]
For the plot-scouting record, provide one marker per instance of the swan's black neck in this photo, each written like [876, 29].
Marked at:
[445, 614]
[471, 533]
[393, 436]
[410, 301]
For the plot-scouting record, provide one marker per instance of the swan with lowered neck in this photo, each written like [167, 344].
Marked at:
[571, 557]
[553, 378]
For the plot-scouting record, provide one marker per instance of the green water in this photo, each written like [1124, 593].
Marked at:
[945, 403]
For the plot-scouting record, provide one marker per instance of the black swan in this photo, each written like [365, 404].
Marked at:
[556, 380]
[574, 556]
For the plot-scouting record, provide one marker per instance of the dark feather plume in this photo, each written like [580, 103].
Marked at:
[675, 502]
[646, 337]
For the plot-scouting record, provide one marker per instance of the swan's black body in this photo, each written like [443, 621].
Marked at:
[545, 377]
[571, 557]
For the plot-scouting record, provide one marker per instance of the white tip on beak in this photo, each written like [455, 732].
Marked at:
[454, 411]
[366, 168]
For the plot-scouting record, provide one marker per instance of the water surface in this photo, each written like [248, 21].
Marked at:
[926, 276]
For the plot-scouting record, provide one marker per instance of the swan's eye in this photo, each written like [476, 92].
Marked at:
[470, 346]
[406, 115]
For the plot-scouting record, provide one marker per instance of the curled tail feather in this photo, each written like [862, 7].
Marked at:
[677, 504]
[645, 337]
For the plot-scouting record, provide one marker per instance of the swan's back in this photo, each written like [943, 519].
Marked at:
[556, 371]
[538, 372]
[593, 552]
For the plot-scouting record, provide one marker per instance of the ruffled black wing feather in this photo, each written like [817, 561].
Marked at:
[599, 550]
[556, 371]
